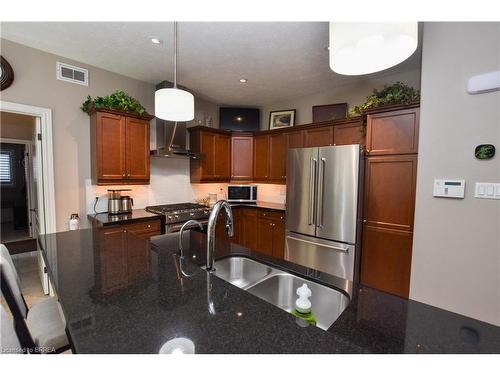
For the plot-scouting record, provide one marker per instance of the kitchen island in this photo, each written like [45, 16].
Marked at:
[162, 299]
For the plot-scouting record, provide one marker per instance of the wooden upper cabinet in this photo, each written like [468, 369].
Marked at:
[207, 150]
[110, 141]
[261, 157]
[277, 158]
[215, 149]
[390, 191]
[349, 134]
[317, 137]
[119, 149]
[222, 157]
[294, 139]
[242, 157]
[137, 148]
[394, 132]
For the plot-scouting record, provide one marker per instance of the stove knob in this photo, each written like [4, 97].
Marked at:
[191, 214]
[177, 216]
[169, 217]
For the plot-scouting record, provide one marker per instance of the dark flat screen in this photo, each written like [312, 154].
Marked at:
[239, 119]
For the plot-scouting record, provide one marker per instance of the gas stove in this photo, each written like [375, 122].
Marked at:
[177, 214]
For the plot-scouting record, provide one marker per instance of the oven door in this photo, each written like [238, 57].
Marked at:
[176, 227]
[240, 193]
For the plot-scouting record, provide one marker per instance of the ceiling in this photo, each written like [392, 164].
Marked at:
[281, 60]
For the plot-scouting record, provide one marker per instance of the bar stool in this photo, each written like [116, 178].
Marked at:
[40, 329]
[9, 343]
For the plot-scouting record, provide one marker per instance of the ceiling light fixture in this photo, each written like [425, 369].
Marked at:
[363, 48]
[243, 80]
[155, 40]
[174, 104]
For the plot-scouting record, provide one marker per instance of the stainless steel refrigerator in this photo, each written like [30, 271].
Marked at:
[322, 208]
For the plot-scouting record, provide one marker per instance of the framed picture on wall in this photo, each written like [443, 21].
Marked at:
[281, 119]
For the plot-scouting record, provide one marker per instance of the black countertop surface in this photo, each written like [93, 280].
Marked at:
[128, 218]
[260, 204]
[141, 314]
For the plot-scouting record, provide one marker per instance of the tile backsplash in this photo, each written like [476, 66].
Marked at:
[170, 183]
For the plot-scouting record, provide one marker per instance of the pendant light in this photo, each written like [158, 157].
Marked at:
[174, 104]
[362, 48]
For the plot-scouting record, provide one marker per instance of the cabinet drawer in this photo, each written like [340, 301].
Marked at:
[145, 229]
[271, 214]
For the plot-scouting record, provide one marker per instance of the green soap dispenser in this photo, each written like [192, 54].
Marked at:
[302, 308]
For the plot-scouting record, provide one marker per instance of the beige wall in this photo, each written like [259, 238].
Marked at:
[16, 126]
[352, 94]
[35, 84]
[456, 248]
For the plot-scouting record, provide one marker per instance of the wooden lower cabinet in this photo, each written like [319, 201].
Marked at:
[122, 256]
[265, 236]
[271, 233]
[260, 229]
[386, 259]
[249, 228]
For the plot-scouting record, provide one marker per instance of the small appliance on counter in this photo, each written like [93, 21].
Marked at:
[242, 193]
[118, 204]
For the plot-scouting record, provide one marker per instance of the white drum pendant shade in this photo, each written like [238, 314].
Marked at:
[174, 105]
[362, 48]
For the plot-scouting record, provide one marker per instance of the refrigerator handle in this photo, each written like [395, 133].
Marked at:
[321, 182]
[312, 179]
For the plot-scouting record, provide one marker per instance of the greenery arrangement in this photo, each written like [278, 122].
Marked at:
[398, 93]
[119, 100]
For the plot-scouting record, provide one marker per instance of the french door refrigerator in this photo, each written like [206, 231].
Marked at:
[322, 208]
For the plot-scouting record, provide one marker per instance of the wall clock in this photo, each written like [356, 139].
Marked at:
[6, 73]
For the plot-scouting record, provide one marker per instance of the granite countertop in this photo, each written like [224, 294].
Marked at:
[180, 299]
[134, 216]
[264, 205]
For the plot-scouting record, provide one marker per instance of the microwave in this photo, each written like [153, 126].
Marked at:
[242, 193]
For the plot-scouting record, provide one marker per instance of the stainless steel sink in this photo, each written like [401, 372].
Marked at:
[241, 272]
[279, 288]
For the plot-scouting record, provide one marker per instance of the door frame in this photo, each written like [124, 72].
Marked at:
[29, 174]
[44, 127]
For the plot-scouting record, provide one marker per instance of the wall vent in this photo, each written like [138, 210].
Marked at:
[73, 74]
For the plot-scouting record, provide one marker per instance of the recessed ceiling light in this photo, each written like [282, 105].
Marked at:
[155, 40]
[239, 118]
[243, 80]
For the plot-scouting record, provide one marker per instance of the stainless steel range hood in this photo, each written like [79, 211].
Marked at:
[171, 141]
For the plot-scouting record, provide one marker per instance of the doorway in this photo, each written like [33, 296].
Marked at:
[18, 201]
[40, 177]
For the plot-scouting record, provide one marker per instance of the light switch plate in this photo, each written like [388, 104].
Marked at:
[487, 190]
[445, 188]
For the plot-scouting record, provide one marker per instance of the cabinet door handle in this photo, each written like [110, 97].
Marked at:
[123, 175]
[149, 225]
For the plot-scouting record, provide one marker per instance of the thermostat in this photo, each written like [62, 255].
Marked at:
[449, 188]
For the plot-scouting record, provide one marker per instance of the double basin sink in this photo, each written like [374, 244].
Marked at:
[279, 288]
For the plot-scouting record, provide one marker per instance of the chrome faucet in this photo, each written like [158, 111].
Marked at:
[212, 221]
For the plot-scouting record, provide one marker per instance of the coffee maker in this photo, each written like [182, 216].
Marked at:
[118, 204]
